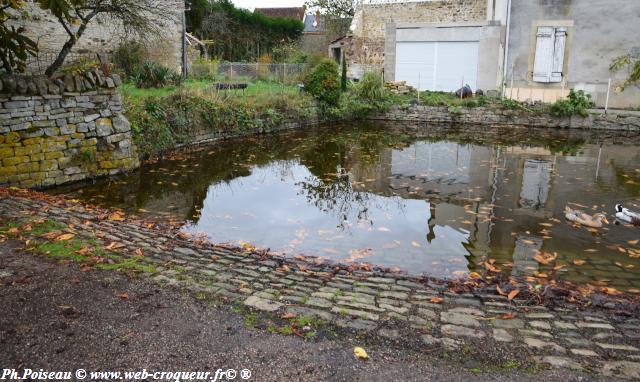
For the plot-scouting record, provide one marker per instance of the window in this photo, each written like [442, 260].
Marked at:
[549, 59]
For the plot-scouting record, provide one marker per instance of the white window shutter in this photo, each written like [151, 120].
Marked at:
[558, 54]
[543, 63]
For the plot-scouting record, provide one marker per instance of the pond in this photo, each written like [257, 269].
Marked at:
[426, 200]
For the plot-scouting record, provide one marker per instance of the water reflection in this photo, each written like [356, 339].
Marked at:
[426, 200]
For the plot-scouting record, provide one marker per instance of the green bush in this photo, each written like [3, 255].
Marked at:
[371, 88]
[129, 56]
[577, 104]
[79, 66]
[204, 69]
[323, 83]
[153, 75]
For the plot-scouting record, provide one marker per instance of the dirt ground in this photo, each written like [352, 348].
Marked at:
[59, 318]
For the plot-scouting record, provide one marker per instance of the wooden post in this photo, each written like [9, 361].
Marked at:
[606, 103]
[462, 88]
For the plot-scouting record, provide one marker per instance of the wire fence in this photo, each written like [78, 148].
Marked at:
[289, 74]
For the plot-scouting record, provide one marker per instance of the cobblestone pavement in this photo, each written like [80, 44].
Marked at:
[391, 306]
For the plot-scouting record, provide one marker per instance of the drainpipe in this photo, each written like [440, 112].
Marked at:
[506, 49]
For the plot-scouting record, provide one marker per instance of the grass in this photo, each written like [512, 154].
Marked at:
[255, 90]
[78, 250]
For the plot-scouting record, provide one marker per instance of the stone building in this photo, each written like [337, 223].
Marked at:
[559, 45]
[522, 49]
[102, 36]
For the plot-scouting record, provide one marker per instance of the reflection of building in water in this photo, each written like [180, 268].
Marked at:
[536, 181]
[525, 248]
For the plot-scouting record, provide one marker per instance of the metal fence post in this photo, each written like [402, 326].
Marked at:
[606, 103]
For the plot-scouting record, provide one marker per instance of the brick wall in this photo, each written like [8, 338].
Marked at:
[369, 22]
[58, 131]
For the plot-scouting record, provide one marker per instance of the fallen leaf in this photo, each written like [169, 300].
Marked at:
[123, 296]
[436, 300]
[416, 244]
[288, 316]
[65, 237]
[474, 275]
[513, 294]
[360, 353]
[507, 316]
[579, 262]
[500, 291]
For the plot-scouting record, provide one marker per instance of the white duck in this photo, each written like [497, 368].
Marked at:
[595, 221]
[626, 215]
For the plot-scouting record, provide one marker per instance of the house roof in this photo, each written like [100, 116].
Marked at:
[292, 12]
[311, 26]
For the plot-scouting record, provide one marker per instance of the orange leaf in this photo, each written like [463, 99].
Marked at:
[507, 316]
[65, 237]
[437, 300]
[500, 291]
[513, 294]
[474, 275]
[123, 296]
[138, 252]
[288, 316]
[116, 216]
[579, 262]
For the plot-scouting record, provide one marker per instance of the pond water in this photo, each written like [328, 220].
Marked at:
[435, 201]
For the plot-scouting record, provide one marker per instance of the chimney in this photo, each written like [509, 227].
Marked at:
[317, 19]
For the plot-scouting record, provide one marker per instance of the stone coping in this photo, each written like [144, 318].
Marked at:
[389, 305]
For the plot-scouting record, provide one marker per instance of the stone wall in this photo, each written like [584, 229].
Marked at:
[55, 131]
[103, 35]
[624, 121]
[369, 22]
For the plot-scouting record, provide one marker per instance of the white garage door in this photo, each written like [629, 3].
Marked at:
[437, 65]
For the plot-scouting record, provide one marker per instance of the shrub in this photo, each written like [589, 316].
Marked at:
[129, 56]
[204, 69]
[79, 66]
[323, 83]
[577, 103]
[371, 88]
[153, 75]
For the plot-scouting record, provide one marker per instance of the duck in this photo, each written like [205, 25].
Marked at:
[595, 221]
[627, 216]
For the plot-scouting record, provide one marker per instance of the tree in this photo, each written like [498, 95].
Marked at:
[239, 34]
[335, 8]
[15, 47]
[140, 17]
[632, 64]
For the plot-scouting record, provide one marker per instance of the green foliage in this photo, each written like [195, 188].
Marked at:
[633, 69]
[15, 47]
[510, 104]
[577, 104]
[204, 69]
[289, 52]
[129, 56]
[343, 79]
[153, 75]
[371, 88]
[323, 83]
[239, 34]
[81, 65]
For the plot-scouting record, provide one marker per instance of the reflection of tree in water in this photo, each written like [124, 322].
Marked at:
[339, 197]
